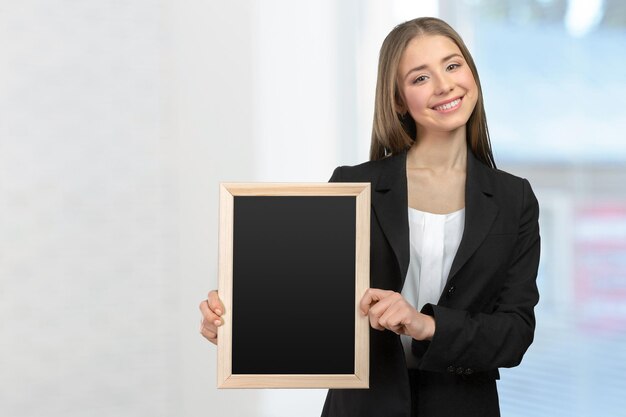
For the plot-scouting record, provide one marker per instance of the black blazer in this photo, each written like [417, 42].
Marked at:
[484, 318]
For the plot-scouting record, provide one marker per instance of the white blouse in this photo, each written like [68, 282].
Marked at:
[434, 240]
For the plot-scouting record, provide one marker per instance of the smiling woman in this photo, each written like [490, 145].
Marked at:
[455, 247]
[454, 243]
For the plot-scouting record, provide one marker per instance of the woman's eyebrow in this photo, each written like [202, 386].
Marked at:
[421, 67]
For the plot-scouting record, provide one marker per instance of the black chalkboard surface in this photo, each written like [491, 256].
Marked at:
[294, 262]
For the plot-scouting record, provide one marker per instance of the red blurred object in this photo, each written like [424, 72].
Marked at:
[600, 266]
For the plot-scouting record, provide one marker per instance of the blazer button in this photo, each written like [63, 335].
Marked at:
[468, 371]
[451, 290]
[451, 369]
[459, 371]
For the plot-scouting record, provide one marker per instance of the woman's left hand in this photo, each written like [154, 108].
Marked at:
[389, 310]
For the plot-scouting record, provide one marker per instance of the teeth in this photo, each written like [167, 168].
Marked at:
[449, 105]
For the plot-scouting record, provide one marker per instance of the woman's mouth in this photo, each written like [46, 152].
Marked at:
[449, 106]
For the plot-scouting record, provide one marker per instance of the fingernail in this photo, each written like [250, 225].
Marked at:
[218, 311]
[218, 322]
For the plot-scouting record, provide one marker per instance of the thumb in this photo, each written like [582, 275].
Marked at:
[215, 303]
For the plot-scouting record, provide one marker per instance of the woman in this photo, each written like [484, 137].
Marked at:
[454, 241]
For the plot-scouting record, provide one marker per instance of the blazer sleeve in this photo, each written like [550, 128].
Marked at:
[466, 342]
[336, 177]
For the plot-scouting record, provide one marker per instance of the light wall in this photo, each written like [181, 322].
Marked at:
[118, 120]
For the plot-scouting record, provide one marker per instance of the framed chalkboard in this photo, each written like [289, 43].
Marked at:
[293, 266]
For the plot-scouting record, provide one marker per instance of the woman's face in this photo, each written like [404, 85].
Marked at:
[436, 84]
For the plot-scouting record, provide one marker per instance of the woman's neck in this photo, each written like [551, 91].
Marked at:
[439, 151]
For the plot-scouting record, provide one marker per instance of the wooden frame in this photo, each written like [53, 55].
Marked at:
[360, 377]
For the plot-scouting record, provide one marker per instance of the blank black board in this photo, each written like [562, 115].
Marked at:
[293, 266]
[293, 285]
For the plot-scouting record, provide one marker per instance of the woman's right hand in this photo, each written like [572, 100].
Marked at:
[212, 310]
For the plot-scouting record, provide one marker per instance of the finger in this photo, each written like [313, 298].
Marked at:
[215, 303]
[374, 315]
[389, 307]
[397, 329]
[209, 335]
[381, 306]
[381, 317]
[210, 326]
[208, 329]
[395, 317]
[208, 314]
[374, 323]
[400, 318]
[372, 295]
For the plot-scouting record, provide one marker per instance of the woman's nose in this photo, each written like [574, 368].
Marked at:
[444, 85]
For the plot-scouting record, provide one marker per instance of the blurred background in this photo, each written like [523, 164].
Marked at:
[118, 120]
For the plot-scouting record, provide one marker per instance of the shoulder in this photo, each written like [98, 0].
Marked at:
[367, 171]
[511, 189]
[505, 180]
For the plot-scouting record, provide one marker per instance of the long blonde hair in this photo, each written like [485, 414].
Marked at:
[393, 132]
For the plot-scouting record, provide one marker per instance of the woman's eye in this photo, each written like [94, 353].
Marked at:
[452, 67]
[420, 79]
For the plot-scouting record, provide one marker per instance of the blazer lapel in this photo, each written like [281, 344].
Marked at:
[480, 212]
[390, 202]
[391, 208]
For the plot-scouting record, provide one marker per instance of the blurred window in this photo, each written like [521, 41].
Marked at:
[554, 84]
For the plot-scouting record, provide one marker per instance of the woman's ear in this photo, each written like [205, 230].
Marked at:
[400, 109]
[398, 104]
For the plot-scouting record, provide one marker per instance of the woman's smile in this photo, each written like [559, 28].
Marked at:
[448, 105]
